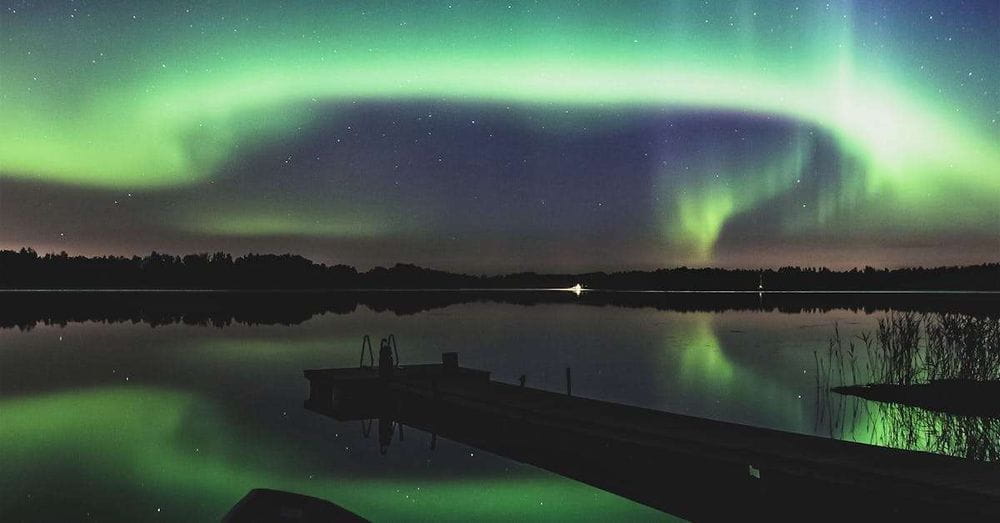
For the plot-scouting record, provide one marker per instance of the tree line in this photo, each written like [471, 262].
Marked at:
[26, 269]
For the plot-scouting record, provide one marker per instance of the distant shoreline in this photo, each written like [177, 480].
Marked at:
[26, 269]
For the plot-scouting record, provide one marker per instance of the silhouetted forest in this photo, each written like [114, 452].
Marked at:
[26, 269]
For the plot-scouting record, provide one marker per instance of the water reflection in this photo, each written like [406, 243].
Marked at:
[961, 430]
[138, 454]
[679, 464]
[911, 428]
[103, 414]
[222, 309]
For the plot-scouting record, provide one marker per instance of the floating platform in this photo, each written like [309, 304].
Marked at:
[691, 467]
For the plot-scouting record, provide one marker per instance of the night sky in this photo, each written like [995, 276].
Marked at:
[502, 136]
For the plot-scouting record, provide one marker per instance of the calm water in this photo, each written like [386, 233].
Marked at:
[124, 421]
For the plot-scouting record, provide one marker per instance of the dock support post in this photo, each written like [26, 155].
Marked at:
[569, 383]
[449, 361]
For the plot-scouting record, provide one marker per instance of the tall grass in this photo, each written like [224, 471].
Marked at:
[906, 349]
[910, 348]
[899, 350]
[962, 347]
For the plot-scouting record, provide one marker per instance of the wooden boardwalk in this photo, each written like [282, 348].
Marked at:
[691, 467]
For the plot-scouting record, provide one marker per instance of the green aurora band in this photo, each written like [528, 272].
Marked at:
[167, 97]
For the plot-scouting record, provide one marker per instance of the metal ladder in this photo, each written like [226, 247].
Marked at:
[366, 343]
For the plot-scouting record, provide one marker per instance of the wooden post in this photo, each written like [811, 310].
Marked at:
[569, 383]
[449, 360]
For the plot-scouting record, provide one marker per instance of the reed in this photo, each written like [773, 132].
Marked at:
[910, 348]
[962, 347]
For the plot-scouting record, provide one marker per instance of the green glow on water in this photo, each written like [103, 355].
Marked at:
[702, 359]
[699, 366]
[212, 427]
[141, 443]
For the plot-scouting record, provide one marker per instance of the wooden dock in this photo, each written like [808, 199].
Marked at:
[691, 467]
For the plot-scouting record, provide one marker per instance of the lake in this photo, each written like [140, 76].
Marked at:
[146, 406]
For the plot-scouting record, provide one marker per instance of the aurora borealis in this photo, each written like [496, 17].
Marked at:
[505, 136]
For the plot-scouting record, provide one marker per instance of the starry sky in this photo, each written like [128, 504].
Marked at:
[501, 136]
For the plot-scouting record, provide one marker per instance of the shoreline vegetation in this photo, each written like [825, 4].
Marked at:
[26, 269]
[920, 427]
[942, 362]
